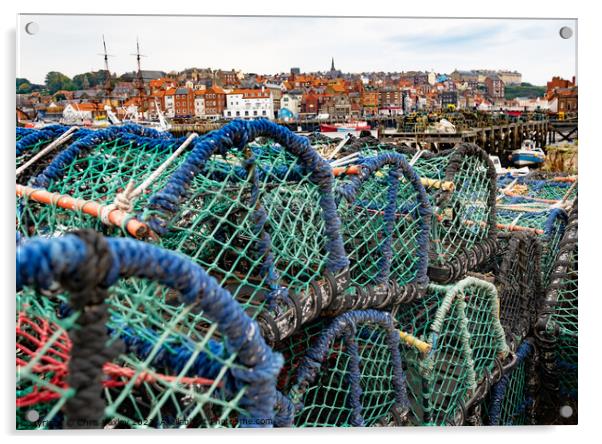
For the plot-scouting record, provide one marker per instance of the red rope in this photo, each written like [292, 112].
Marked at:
[53, 364]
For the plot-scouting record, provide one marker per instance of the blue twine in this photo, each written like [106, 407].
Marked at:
[33, 137]
[237, 134]
[556, 215]
[399, 164]
[91, 139]
[345, 325]
[498, 392]
[40, 261]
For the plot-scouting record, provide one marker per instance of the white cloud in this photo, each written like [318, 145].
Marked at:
[272, 44]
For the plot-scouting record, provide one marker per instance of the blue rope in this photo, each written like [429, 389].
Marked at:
[40, 261]
[498, 391]
[237, 134]
[345, 325]
[556, 215]
[399, 164]
[264, 244]
[91, 139]
[33, 137]
[22, 132]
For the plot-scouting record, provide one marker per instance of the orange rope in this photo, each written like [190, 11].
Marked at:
[353, 170]
[114, 217]
[535, 199]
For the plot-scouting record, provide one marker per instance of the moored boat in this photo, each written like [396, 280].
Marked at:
[528, 154]
[344, 127]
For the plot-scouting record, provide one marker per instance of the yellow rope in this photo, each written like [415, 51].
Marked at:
[413, 341]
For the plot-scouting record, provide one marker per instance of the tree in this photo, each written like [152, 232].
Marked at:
[56, 81]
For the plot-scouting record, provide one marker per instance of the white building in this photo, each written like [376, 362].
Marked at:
[432, 78]
[78, 111]
[292, 102]
[199, 103]
[249, 104]
[170, 102]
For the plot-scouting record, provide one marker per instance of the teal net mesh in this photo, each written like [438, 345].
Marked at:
[344, 372]
[512, 400]
[558, 329]
[153, 385]
[385, 220]
[460, 322]
[97, 175]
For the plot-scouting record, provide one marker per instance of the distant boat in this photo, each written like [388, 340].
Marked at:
[501, 171]
[528, 154]
[344, 127]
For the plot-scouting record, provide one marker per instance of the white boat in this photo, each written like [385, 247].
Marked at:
[501, 171]
[528, 154]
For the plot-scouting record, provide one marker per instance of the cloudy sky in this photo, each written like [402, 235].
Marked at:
[71, 44]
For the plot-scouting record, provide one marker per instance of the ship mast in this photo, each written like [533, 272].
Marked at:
[139, 81]
[107, 85]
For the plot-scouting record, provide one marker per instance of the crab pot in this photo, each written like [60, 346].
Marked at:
[344, 372]
[95, 167]
[513, 399]
[466, 344]
[29, 142]
[261, 219]
[515, 214]
[539, 186]
[461, 187]
[164, 347]
[385, 217]
[557, 329]
[517, 271]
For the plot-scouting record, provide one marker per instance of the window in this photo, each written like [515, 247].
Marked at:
[229, 113]
[263, 113]
[237, 113]
[246, 113]
[255, 112]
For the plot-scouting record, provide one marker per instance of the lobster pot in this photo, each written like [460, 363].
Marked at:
[29, 142]
[261, 219]
[461, 186]
[385, 217]
[548, 223]
[95, 168]
[558, 323]
[344, 372]
[541, 187]
[513, 399]
[165, 348]
[517, 271]
[462, 343]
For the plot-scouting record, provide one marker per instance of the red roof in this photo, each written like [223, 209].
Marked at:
[86, 106]
[251, 93]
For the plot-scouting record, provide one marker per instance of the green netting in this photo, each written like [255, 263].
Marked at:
[549, 223]
[460, 184]
[544, 186]
[154, 384]
[564, 317]
[97, 175]
[557, 329]
[517, 274]
[463, 216]
[367, 228]
[512, 400]
[344, 372]
[460, 322]
[218, 224]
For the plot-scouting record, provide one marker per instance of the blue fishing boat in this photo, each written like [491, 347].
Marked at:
[528, 154]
